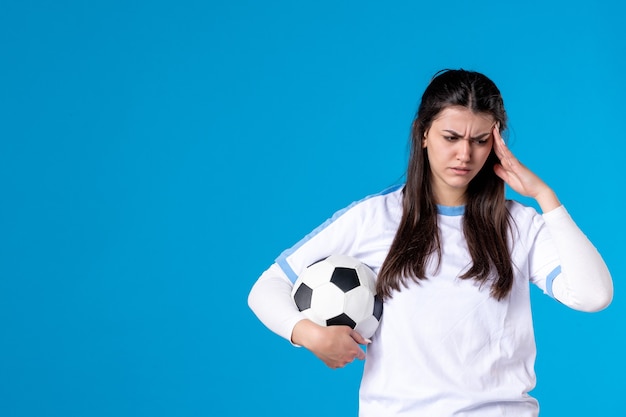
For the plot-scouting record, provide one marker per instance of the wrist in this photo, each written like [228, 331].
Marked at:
[305, 333]
[547, 200]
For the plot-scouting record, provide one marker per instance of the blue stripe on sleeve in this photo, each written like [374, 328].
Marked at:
[282, 262]
[550, 278]
[282, 259]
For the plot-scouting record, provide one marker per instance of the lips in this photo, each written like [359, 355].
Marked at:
[461, 170]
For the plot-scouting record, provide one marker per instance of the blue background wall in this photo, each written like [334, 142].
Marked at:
[155, 157]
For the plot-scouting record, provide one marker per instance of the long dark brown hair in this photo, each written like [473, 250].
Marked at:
[486, 221]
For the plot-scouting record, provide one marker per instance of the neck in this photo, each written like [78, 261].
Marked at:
[450, 199]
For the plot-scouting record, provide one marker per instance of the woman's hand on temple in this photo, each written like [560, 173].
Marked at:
[519, 178]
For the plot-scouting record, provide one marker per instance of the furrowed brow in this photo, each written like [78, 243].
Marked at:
[458, 135]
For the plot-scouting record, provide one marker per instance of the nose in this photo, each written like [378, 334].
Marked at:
[464, 151]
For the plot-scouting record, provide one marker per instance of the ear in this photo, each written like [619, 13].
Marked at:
[424, 141]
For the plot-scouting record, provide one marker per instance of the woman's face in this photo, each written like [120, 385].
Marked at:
[458, 143]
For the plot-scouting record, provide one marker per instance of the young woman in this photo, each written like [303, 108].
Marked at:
[454, 260]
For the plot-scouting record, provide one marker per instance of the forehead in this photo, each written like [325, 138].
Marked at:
[463, 118]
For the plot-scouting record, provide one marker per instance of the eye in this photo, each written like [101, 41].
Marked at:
[480, 141]
[451, 138]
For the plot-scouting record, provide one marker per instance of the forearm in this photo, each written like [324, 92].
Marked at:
[585, 283]
[547, 199]
[270, 300]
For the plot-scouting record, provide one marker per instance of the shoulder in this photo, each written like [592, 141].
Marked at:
[521, 211]
[391, 196]
[345, 232]
[369, 214]
[526, 219]
[373, 209]
[388, 200]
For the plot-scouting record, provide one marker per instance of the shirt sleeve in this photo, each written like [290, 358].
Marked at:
[340, 234]
[270, 300]
[270, 297]
[583, 282]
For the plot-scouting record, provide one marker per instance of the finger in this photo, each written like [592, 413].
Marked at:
[505, 155]
[498, 150]
[359, 339]
[499, 146]
[499, 139]
[345, 362]
[502, 151]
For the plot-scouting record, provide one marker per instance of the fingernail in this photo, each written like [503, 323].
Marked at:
[367, 341]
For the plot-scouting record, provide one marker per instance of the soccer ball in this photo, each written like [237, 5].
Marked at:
[339, 290]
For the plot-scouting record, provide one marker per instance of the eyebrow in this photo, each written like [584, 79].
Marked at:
[481, 136]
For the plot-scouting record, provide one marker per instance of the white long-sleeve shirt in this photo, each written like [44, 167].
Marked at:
[445, 346]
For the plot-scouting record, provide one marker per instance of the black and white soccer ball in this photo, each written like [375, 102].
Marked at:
[339, 290]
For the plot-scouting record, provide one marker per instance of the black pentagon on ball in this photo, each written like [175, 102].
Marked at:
[302, 297]
[378, 307]
[341, 320]
[345, 278]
